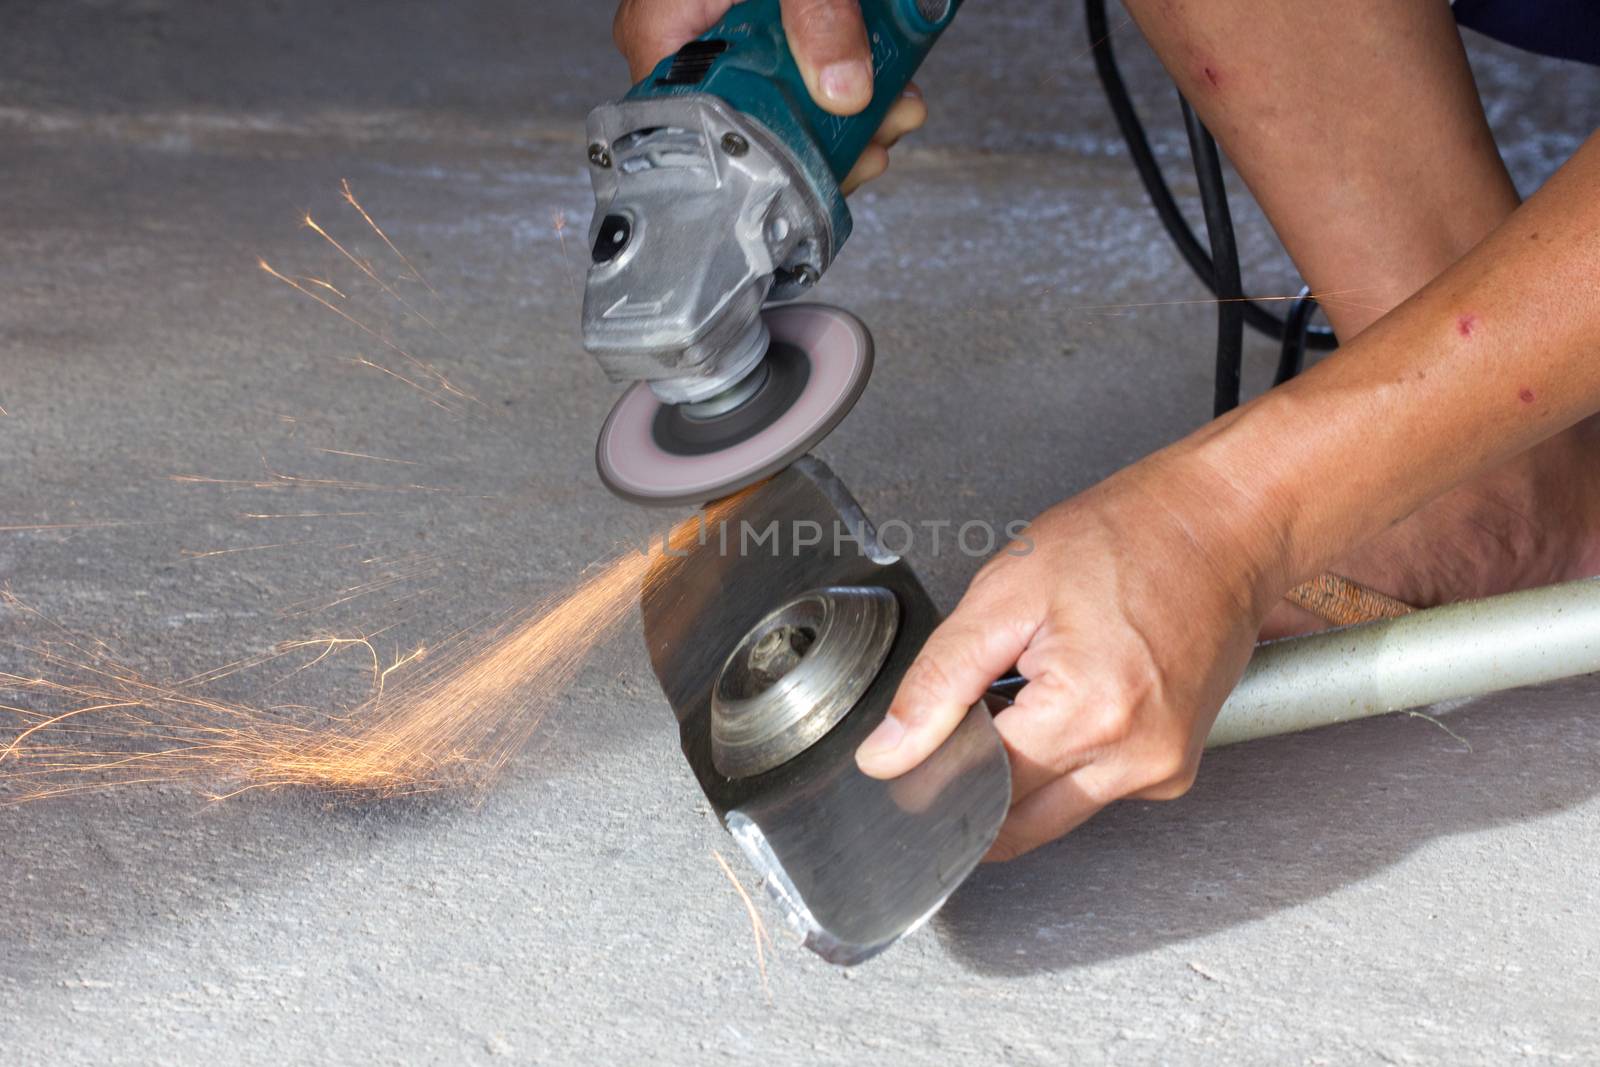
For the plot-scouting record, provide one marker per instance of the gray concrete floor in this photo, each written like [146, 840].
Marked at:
[1382, 891]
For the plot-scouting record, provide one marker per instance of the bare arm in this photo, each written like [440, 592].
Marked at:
[1141, 601]
[1138, 607]
[1498, 353]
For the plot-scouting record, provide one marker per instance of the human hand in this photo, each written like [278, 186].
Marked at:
[829, 42]
[1132, 617]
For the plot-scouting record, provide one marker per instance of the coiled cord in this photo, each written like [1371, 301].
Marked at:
[1218, 269]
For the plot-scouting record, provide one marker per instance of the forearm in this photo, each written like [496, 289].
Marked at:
[1497, 354]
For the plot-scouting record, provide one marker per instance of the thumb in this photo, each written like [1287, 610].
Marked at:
[829, 42]
[962, 657]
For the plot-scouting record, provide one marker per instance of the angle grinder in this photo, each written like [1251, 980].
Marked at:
[716, 183]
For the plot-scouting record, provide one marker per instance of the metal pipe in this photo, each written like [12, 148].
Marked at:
[1458, 650]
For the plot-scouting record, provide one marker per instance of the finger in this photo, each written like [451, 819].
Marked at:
[873, 162]
[647, 31]
[980, 639]
[829, 43]
[1058, 808]
[1060, 724]
[908, 113]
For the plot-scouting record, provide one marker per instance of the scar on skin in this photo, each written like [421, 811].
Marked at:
[1526, 396]
[1465, 324]
[1211, 76]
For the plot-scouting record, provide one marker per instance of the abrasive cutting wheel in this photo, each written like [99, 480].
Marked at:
[655, 453]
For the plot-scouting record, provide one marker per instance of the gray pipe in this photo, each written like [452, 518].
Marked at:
[1459, 650]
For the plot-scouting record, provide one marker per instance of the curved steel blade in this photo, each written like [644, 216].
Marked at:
[855, 863]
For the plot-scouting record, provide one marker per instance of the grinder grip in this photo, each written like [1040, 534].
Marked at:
[745, 60]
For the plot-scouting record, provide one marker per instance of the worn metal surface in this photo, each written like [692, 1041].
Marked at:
[796, 673]
[854, 862]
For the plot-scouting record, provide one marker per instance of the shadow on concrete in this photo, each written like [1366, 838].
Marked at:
[1276, 823]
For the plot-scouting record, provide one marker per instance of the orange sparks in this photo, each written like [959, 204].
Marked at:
[365, 268]
[350, 198]
[758, 929]
[278, 480]
[363, 455]
[407, 571]
[560, 221]
[448, 715]
[432, 397]
[443, 382]
[322, 284]
[303, 515]
[209, 553]
[101, 525]
[480, 706]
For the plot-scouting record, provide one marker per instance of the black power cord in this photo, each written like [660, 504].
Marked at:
[1293, 355]
[1226, 283]
[1218, 270]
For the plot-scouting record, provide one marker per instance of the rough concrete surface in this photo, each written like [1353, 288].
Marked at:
[1378, 892]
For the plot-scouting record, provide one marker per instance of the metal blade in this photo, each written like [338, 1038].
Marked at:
[855, 863]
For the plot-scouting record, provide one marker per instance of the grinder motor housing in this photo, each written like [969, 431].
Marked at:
[716, 184]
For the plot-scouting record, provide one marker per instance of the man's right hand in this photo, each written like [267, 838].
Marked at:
[829, 42]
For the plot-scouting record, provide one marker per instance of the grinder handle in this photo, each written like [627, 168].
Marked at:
[1002, 692]
[745, 60]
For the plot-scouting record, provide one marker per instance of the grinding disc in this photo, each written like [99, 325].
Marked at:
[815, 370]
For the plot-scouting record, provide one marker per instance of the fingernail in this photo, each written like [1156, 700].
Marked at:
[845, 81]
[885, 739]
[913, 92]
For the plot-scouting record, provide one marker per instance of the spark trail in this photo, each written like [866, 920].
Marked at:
[451, 712]
[350, 198]
[452, 717]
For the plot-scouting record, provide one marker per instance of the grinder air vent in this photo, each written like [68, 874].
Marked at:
[692, 62]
